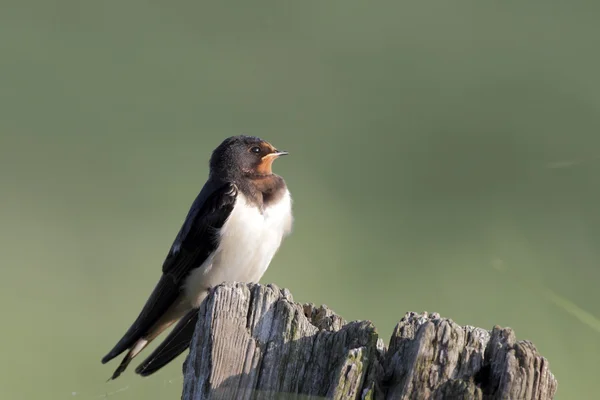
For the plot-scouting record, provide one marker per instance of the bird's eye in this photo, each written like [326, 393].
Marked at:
[255, 149]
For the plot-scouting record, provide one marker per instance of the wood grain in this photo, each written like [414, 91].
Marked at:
[254, 342]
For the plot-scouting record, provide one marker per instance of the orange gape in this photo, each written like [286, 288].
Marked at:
[264, 168]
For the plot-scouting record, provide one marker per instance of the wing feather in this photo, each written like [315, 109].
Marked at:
[194, 243]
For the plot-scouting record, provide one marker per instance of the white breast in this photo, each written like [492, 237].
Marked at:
[249, 240]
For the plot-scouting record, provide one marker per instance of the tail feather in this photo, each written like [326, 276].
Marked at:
[134, 351]
[174, 344]
[172, 315]
[160, 302]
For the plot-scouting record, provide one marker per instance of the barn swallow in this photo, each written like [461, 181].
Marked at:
[231, 233]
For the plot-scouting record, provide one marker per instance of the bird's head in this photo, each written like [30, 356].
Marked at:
[244, 155]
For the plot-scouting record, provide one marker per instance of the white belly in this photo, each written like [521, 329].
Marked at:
[249, 240]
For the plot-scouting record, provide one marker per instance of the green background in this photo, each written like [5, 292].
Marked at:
[444, 157]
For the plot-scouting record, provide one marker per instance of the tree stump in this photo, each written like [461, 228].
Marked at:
[253, 342]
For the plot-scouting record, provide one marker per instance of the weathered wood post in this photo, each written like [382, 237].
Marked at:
[253, 342]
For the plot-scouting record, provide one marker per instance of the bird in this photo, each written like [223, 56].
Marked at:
[231, 233]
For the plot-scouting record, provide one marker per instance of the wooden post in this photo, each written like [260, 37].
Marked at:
[253, 342]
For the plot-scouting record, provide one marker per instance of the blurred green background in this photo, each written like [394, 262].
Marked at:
[445, 157]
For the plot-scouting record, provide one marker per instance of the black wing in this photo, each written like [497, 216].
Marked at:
[196, 240]
[174, 344]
